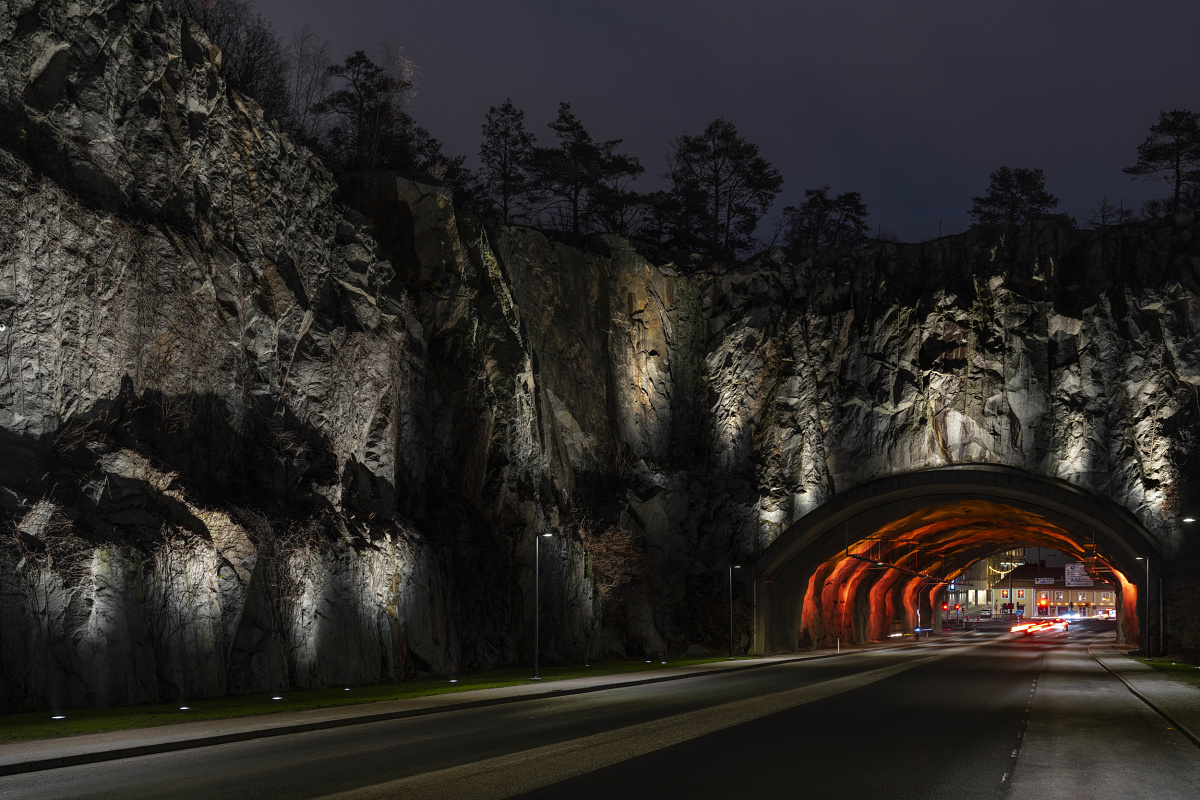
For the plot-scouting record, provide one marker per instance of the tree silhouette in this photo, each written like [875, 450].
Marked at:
[570, 175]
[366, 109]
[1015, 197]
[1171, 152]
[723, 186]
[822, 222]
[506, 154]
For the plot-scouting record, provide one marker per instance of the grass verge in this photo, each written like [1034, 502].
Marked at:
[1179, 670]
[34, 725]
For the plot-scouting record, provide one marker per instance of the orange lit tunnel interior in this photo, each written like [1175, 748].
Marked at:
[879, 582]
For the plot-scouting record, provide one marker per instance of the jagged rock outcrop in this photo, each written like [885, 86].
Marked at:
[228, 459]
[260, 428]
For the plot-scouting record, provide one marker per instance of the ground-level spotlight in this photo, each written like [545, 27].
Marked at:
[276, 698]
[454, 680]
[60, 716]
[1189, 519]
[185, 708]
[347, 688]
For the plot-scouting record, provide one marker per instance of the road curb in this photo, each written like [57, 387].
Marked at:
[1188, 734]
[114, 754]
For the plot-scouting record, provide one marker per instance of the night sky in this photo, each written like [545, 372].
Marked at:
[912, 103]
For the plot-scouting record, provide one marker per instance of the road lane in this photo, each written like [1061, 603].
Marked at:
[944, 729]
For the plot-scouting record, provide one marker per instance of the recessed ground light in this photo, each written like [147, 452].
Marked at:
[276, 698]
[1189, 519]
[347, 688]
[454, 680]
[58, 717]
[185, 708]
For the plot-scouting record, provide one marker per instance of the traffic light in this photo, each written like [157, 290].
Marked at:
[946, 606]
[957, 606]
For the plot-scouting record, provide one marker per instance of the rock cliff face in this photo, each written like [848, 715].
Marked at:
[258, 428]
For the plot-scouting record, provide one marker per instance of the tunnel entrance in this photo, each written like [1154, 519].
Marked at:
[868, 561]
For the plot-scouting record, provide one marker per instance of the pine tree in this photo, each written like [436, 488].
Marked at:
[824, 223]
[506, 155]
[1171, 152]
[1015, 197]
[570, 176]
[723, 186]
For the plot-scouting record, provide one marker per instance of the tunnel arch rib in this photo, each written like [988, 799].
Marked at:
[784, 569]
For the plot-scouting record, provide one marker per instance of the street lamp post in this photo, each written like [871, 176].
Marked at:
[537, 606]
[1147, 602]
[732, 567]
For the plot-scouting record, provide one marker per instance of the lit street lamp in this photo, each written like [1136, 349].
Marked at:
[537, 606]
[732, 567]
[1147, 602]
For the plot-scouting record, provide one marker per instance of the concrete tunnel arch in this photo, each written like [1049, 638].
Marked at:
[830, 537]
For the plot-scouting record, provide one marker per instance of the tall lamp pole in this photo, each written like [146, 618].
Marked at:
[537, 606]
[732, 567]
[1147, 602]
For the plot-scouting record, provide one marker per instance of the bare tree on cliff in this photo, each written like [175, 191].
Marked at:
[506, 153]
[823, 223]
[1171, 152]
[569, 175]
[1015, 197]
[308, 83]
[254, 59]
[724, 188]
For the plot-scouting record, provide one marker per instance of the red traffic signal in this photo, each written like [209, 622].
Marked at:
[945, 606]
[957, 606]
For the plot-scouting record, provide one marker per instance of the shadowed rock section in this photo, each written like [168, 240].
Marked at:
[260, 428]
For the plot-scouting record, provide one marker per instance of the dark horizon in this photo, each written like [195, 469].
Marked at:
[912, 107]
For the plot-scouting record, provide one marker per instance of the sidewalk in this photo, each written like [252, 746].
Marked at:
[88, 748]
[1176, 701]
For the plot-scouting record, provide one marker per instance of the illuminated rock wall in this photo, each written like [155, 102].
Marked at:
[261, 428]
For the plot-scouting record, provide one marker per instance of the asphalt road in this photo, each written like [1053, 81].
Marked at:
[990, 715]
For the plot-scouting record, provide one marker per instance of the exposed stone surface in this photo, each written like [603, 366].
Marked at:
[252, 438]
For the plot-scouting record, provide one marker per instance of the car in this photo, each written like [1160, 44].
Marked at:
[1042, 624]
[985, 613]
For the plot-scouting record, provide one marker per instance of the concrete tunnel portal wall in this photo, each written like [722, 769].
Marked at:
[975, 510]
